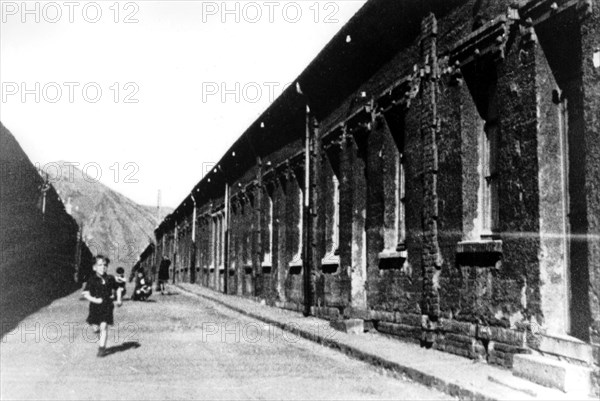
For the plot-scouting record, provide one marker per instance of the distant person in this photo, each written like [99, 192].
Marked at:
[99, 290]
[121, 282]
[163, 274]
[143, 288]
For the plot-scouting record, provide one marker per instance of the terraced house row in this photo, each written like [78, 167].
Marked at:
[434, 172]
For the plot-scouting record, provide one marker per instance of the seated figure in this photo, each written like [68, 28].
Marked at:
[143, 288]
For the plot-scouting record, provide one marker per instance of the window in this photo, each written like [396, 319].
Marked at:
[488, 157]
[563, 126]
[331, 254]
[213, 244]
[401, 203]
[297, 258]
[268, 252]
[394, 221]
[248, 233]
[220, 240]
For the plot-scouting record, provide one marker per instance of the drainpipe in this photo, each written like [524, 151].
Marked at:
[193, 247]
[193, 220]
[308, 295]
[226, 241]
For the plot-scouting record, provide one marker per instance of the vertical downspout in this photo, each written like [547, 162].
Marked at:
[193, 247]
[226, 241]
[194, 221]
[308, 296]
[175, 249]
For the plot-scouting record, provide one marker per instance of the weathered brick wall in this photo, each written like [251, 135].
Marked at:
[518, 187]
[465, 279]
[431, 256]
[395, 301]
[236, 237]
[551, 160]
[147, 262]
[590, 44]
[267, 277]
[293, 237]
[457, 191]
[202, 240]
[334, 287]
[281, 258]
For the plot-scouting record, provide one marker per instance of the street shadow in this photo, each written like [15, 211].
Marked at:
[33, 280]
[122, 347]
[42, 255]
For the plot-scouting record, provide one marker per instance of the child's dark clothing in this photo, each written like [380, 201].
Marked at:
[163, 270]
[142, 289]
[101, 288]
[121, 283]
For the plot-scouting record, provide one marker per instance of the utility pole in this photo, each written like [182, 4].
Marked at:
[44, 189]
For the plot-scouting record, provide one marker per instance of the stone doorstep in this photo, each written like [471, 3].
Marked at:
[552, 373]
[568, 347]
[350, 326]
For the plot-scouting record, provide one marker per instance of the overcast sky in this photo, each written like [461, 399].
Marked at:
[133, 91]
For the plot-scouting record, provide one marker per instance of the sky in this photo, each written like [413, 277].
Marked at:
[147, 95]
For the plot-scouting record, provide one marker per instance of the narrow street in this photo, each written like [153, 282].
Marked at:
[181, 347]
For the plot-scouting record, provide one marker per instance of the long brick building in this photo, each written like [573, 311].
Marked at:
[434, 172]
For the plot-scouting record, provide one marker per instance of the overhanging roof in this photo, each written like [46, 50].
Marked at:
[377, 32]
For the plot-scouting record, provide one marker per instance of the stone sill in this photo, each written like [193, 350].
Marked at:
[331, 260]
[392, 254]
[330, 264]
[295, 267]
[296, 263]
[483, 246]
[392, 259]
[266, 267]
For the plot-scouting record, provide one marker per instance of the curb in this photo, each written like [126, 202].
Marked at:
[413, 374]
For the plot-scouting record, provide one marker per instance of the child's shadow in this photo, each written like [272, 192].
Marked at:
[122, 347]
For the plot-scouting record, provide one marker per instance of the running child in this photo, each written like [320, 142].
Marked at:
[99, 290]
[121, 281]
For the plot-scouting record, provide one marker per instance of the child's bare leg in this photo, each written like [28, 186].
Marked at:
[103, 334]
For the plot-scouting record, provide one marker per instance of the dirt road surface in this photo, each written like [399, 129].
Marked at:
[181, 347]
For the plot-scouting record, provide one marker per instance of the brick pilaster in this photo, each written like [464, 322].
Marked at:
[431, 254]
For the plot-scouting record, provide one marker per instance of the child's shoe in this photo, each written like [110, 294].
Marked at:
[101, 352]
